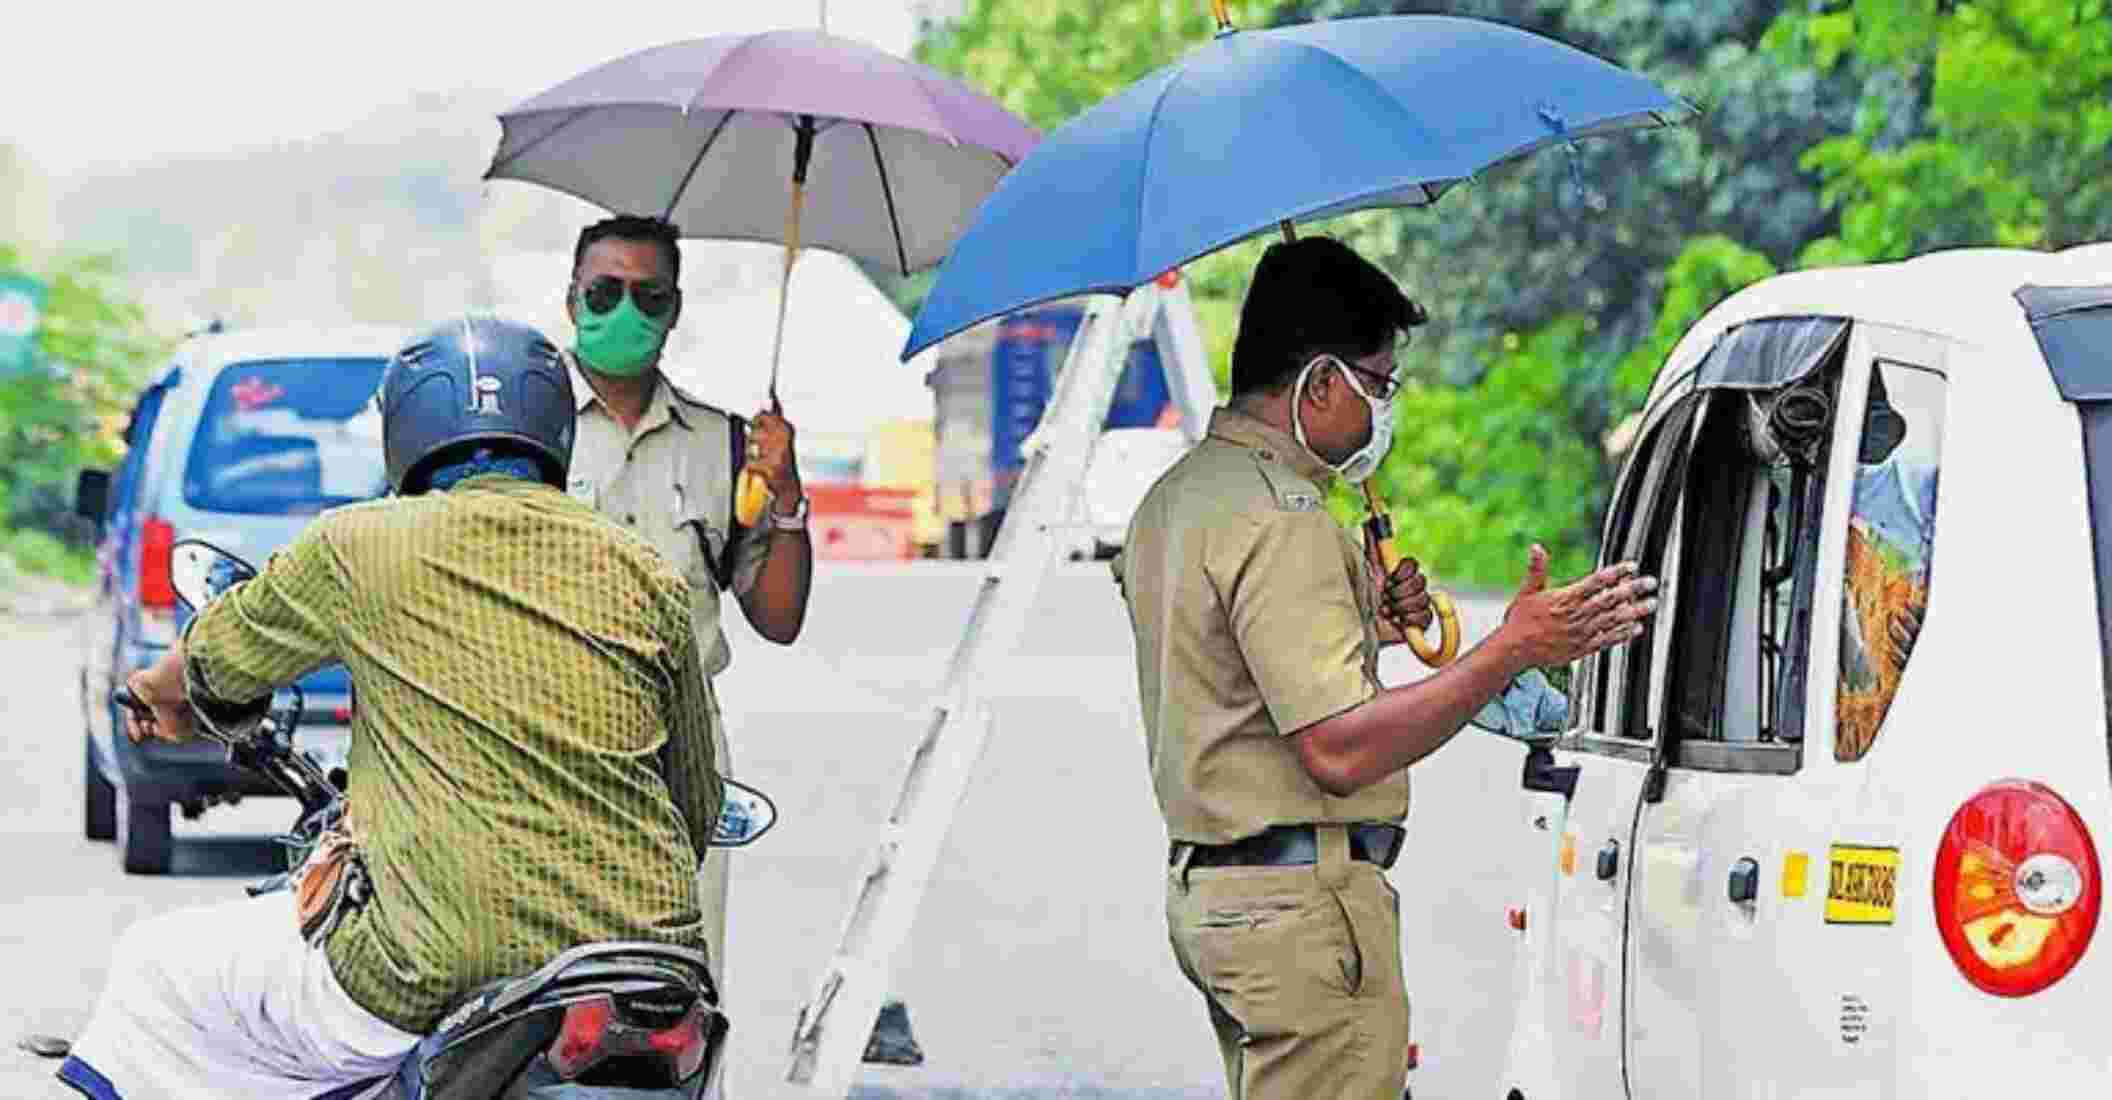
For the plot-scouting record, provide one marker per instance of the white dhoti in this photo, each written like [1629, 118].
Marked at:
[227, 1000]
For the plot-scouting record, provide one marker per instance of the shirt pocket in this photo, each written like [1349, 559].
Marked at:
[703, 544]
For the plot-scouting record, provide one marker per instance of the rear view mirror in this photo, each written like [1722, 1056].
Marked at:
[1530, 707]
[91, 495]
[200, 571]
[745, 814]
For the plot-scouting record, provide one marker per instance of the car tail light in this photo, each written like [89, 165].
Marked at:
[157, 541]
[592, 1033]
[2017, 888]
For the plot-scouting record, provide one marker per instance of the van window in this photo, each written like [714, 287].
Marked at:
[288, 437]
[1615, 679]
[1891, 539]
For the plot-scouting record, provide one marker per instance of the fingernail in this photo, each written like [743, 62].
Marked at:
[1649, 584]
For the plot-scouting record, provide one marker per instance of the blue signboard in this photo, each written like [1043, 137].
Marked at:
[1141, 396]
[1030, 349]
[1030, 346]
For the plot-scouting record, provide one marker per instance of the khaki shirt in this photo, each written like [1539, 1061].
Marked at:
[671, 481]
[525, 668]
[1254, 614]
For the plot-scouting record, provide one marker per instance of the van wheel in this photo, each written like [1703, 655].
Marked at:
[98, 799]
[146, 838]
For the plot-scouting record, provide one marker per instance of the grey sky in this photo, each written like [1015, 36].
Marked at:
[112, 83]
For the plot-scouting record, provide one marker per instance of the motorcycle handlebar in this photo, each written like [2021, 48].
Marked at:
[123, 697]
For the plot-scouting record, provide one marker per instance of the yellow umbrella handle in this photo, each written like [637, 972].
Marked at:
[751, 492]
[1435, 656]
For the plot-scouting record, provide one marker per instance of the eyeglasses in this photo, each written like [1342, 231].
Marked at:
[1388, 385]
[653, 297]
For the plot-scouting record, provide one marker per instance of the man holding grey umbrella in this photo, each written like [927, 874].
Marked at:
[664, 464]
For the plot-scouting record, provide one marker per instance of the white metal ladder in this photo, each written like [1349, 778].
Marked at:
[829, 1039]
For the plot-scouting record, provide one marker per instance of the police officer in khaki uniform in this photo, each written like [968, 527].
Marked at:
[664, 464]
[1278, 758]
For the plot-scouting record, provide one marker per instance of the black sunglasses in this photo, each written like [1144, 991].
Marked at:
[654, 298]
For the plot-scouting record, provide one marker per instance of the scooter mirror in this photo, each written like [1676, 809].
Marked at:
[746, 814]
[200, 572]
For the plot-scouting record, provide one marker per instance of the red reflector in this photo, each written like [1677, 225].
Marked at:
[591, 1032]
[1415, 1055]
[156, 545]
[578, 1044]
[341, 714]
[2016, 888]
[683, 1043]
[1516, 918]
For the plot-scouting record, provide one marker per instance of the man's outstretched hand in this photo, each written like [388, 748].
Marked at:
[1561, 625]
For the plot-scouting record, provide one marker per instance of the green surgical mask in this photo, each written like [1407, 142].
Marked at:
[621, 342]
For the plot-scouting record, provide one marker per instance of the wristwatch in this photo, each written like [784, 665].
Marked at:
[797, 521]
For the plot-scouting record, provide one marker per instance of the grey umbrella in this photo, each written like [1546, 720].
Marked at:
[886, 159]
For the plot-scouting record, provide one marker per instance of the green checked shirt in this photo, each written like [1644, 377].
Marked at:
[520, 664]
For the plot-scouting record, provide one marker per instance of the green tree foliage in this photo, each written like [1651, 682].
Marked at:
[68, 414]
[2015, 99]
[1836, 131]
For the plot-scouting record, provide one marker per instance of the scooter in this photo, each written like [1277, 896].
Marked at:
[636, 1020]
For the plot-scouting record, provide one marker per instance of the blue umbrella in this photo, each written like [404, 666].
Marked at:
[1260, 128]
[1254, 130]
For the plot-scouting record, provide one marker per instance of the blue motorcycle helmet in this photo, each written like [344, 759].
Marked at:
[478, 389]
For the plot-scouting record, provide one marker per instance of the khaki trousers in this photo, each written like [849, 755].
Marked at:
[1300, 969]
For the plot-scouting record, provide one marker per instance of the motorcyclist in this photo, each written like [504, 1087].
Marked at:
[531, 764]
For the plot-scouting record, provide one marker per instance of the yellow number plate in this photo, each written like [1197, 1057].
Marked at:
[1861, 884]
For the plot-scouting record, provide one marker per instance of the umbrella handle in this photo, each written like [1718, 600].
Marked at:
[751, 494]
[1447, 647]
[784, 285]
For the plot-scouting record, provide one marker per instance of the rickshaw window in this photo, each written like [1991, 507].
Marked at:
[1752, 516]
[1592, 711]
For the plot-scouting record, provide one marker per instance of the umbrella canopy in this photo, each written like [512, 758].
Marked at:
[840, 335]
[1260, 127]
[707, 132]
[858, 151]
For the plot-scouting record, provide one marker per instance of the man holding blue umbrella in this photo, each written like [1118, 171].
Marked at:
[1279, 760]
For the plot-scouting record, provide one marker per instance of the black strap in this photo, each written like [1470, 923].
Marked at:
[722, 570]
[1293, 845]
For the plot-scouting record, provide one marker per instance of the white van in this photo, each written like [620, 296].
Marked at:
[1835, 826]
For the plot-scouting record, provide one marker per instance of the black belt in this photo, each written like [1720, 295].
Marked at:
[1294, 845]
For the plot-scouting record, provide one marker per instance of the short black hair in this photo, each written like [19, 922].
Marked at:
[633, 227]
[1314, 296]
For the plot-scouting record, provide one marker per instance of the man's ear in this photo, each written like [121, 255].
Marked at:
[571, 304]
[1321, 383]
[674, 313]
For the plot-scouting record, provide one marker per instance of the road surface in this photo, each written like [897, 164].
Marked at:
[1039, 964]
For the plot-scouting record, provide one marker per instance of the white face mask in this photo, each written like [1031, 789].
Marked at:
[1365, 462]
